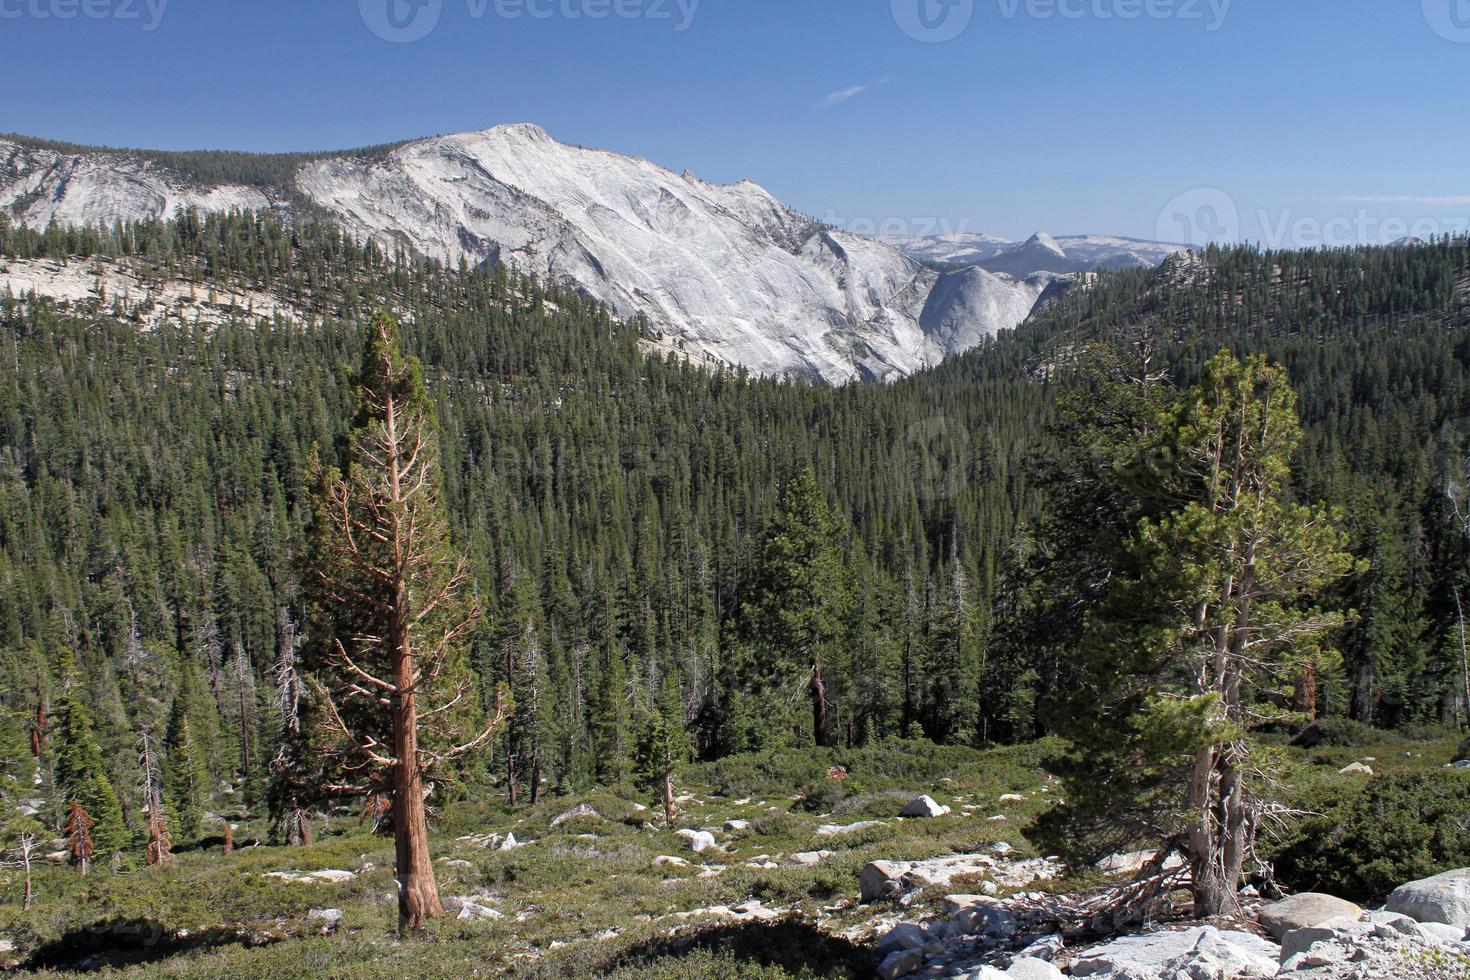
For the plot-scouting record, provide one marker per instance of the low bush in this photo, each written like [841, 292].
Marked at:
[1340, 733]
[821, 796]
[1363, 842]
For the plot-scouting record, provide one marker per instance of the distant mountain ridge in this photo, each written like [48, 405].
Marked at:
[725, 273]
[1040, 253]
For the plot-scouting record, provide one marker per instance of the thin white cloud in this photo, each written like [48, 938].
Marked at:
[842, 95]
[851, 92]
[1449, 202]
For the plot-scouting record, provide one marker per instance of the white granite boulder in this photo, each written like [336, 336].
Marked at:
[1198, 953]
[1306, 909]
[924, 806]
[1443, 898]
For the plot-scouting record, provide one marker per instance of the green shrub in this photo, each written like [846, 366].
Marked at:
[1340, 732]
[1363, 842]
[766, 773]
[821, 796]
[778, 824]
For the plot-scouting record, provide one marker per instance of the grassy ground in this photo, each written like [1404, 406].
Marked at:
[586, 898]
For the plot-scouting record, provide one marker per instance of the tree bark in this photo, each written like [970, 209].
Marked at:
[1305, 693]
[819, 706]
[667, 785]
[418, 892]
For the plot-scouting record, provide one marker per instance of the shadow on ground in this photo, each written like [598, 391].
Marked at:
[130, 942]
[784, 948]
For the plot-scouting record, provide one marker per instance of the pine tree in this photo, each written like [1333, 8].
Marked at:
[82, 778]
[79, 844]
[1212, 607]
[612, 723]
[392, 614]
[186, 771]
[150, 787]
[663, 745]
[798, 613]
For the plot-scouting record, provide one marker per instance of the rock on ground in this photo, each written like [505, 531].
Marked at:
[832, 829]
[924, 806]
[581, 810]
[1134, 862]
[900, 964]
[1031, 968]
[1306, 909]
[1443, 898]
[1380, 951]
[699, 840]
[1198, 953]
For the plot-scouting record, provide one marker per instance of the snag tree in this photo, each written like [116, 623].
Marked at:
[391, 614]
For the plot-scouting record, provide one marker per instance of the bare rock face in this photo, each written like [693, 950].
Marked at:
[725, 273]
[1444, 898]
[1200, 953]
[1306, 909]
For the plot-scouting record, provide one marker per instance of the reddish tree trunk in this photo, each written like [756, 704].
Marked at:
[229, 844]
[418, 892]
[1305, 695]
[819, 707]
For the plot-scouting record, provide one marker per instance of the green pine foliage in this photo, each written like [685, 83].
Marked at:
[186, 768]
[82, 777]
[621, 511]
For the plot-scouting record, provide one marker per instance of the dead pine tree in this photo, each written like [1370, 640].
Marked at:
[391, 612]
[79, 844]
[27, 850]
[160, 848]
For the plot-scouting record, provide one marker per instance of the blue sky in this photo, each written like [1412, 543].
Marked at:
[1261, 119]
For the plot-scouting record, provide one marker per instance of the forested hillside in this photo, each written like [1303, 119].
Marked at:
[625, 514]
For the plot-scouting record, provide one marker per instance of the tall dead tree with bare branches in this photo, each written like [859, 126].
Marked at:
[391, 614]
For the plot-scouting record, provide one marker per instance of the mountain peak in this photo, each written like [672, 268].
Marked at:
[1044, 241]
[525, 131]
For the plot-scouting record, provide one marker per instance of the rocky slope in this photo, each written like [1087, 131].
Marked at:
[38, 186]
[726, 273]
